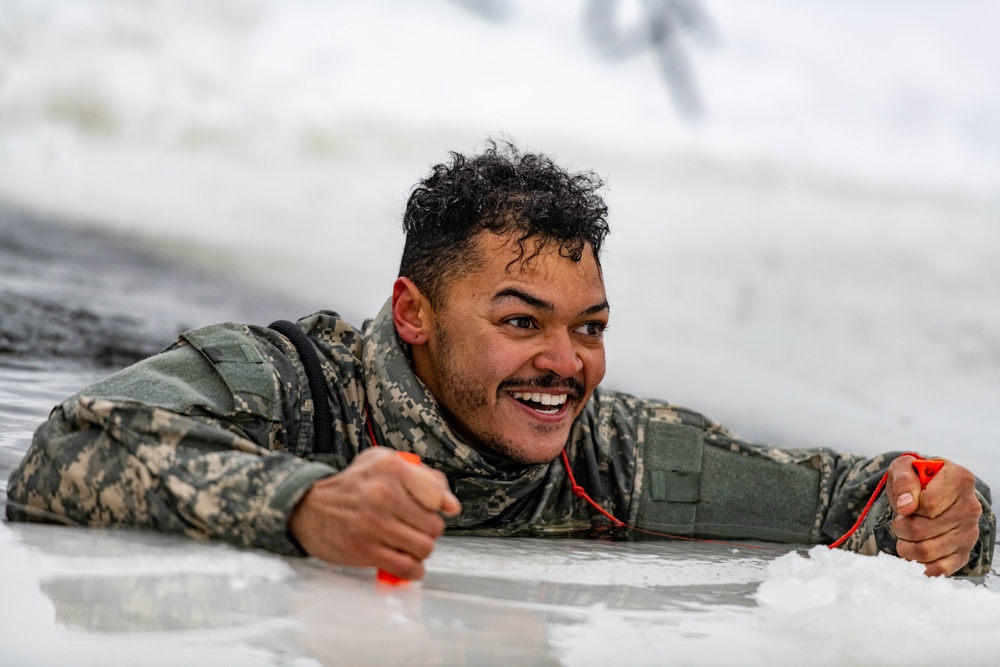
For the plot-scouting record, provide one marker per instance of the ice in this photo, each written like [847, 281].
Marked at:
[80, 581]
[120, 597]
[837, 608]
[600, 564]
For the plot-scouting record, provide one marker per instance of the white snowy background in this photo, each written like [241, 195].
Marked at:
[813, 261]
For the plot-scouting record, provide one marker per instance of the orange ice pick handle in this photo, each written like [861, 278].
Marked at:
[388, 577]
[926, 470]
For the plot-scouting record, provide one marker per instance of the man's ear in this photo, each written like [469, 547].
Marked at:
[411, 311]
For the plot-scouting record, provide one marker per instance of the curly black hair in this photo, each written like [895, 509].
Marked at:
[502, 191]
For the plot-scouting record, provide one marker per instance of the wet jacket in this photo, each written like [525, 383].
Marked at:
[214, 438]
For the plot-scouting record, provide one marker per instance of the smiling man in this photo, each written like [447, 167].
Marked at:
[512, 356]
[486, 363]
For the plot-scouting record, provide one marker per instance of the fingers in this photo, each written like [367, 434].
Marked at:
[940, 525]
[427, 487]
[906, 496]
[400, 564]
[946, 566]
[903, 486]
[950, 486]
[961, 515]
[380, 511]
[386, 548]
[927, 540]
[941, 555]
[400, 504]
[430, 489]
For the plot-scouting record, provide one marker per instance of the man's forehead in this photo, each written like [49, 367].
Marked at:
[540, 275]
[535, 265]
[527, 256]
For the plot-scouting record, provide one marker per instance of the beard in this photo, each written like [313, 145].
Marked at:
[469, 395]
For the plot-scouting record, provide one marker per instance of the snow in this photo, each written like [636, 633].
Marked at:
[838, 608]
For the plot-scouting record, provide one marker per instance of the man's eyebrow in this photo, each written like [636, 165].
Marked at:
[533, 301]
[604, 305]
[541, 304]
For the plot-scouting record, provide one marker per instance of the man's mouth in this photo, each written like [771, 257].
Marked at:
[546, 404]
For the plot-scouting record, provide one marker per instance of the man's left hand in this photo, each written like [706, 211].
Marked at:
[937, 526]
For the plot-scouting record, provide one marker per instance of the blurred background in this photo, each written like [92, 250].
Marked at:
[805, 194]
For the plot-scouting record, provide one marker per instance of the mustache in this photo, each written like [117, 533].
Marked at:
[550, 380]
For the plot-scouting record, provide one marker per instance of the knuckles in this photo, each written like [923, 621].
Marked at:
[963, 476]
[921, 552]
[940, 568]
[378, 491]
[971, 510]
[969, 535]
[353, 518]
[949, 565]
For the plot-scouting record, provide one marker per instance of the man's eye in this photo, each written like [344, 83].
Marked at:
[520, 322]
[592, 329]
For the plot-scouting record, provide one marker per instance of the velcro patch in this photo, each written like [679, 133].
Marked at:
[671, 478]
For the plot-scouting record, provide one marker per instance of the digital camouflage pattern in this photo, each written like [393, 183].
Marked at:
[213, 438]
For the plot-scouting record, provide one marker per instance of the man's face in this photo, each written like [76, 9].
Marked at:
[516, 348]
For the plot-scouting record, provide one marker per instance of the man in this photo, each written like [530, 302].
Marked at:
[485, 363]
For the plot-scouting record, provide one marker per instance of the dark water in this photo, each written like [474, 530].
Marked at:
[76, 304]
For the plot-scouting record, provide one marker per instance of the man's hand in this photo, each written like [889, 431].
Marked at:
[381, 511]
[936, 526]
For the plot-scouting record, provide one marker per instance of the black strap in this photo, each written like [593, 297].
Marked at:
[322, 417]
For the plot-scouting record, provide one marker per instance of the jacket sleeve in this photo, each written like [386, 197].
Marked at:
[189, 441]
[846, 484]
[694, 477]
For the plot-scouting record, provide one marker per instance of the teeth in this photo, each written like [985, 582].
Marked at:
[544, 399]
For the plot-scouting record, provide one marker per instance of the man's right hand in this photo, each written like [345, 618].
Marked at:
[381, 511]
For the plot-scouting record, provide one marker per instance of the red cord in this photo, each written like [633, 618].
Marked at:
[580, 492]
[368, 423]
[864, 512]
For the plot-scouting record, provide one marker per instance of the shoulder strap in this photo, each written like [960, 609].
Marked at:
[322, 417]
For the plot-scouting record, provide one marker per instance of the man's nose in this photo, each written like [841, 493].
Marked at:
[559, 355]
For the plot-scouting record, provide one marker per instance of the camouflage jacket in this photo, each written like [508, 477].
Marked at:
[214, 438]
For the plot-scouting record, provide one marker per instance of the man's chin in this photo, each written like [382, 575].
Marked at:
[530, 451]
